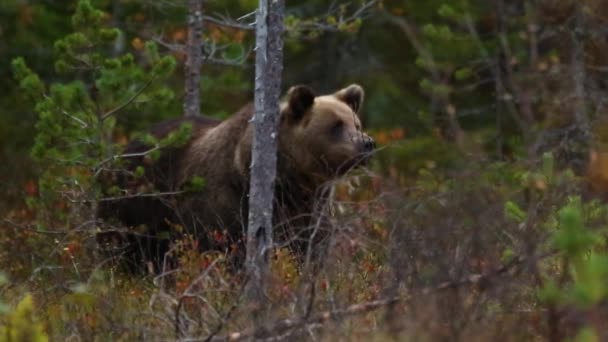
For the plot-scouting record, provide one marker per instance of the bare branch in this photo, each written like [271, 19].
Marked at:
[129, 101]
[188, 294]
[211, 50]
[323, 25]
[137, 195]
[99, 165]
[227, 22]
[65, 112]
[171, 47]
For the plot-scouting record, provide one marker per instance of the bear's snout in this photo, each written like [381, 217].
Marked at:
[369, 144]
[366, 146]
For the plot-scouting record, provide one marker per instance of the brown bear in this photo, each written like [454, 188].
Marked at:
[320, 139]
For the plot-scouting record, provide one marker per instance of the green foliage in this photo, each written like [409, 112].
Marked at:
[76, 119]
[550, 292]
[448, 11]
[590, 280]
[435, 88]
[4, 308]
[513, 212]
[441, 32]
[587, 335]
[195, 184]
[224, 92]
[572, 238]
[419, 154]
[178, 137]
[463, 74]
[548, 166]
[22, 324]
[453, 52]
[28, 80]
[584, 262]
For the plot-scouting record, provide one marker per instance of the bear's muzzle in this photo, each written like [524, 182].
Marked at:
[369, 144]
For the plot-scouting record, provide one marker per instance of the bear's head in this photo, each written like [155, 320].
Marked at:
[322, 135]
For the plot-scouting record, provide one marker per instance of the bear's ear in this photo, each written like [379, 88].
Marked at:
[352, 96]
[300, 100]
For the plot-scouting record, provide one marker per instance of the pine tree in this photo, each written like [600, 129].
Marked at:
[75, 138]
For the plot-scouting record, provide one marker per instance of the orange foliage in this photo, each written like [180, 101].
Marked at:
[398, 11]
[239, 36]
[342, 192]
[179, 35]
[179, 56]
[388, 136]
[397, 133]
[121, 139]
[31, 189]
[26, 15]
[382, 138]
[216, 34]
[224, 35]
[597, 170]
[139, 17]
[137, 43]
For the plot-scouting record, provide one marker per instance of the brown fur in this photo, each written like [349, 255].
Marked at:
[320, 138]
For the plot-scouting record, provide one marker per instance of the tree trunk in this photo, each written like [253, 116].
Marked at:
[194, 59]
[268, 69]
[579, 139]
[578, 70]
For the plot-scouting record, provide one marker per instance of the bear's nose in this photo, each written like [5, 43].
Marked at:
[369, 144]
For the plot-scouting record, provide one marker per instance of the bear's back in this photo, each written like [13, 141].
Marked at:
[137, 207]
[163, 172]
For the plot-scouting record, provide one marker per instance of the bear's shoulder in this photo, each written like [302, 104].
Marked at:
[199, 123]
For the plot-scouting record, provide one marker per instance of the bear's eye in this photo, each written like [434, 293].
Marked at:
[336, 128]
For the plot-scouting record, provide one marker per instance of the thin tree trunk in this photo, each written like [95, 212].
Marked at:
[194, 59]
[268, 69]
[580, 139]
[578, 70]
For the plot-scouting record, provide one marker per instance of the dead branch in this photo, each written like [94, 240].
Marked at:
[138, 195]
[228, 22]
[188, 294]
[340, 21]
[129, 101]
[99, 166]
[212, 52]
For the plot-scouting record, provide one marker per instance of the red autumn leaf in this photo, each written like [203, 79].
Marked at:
[31, 189]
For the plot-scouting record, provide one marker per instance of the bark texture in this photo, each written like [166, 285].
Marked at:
[268, 69]
[194, 59]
